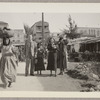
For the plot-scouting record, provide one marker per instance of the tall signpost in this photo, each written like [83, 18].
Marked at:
[43, 30]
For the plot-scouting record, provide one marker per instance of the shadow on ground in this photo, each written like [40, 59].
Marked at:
[44, 75]
[58, 83]
[20, 74]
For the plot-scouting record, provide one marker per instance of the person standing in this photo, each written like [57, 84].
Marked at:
[8, 64]
[52, 56]
[66, 54]
[27, 55]
[33, 54]
[30, 54]
[62, 56]
[40, 59]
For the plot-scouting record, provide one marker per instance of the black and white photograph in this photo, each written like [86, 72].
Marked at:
[49, 98]
[50, 52]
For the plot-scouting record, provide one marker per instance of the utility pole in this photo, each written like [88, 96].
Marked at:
[43, 29]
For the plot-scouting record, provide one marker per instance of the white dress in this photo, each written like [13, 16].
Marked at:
[8, 65]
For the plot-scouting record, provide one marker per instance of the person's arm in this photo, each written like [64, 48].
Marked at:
[25, 49]
[35, 51]
[14, 51]
[32, 48]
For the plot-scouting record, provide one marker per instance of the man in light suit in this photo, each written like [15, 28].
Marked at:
[33, 55]
[30, 54]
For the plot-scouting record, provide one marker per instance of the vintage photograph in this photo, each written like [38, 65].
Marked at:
[53, 1]
[49, 98]
[50, 52]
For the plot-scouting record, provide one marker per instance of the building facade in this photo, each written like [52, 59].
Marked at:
[19, 37]
[88, 31]
[37, 31]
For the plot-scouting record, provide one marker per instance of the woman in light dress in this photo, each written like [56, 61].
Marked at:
[8, 63]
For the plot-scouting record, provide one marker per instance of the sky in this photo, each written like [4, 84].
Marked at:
[57, 21]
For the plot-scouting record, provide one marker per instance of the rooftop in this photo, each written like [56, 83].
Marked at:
[39, 23]
[90, 27]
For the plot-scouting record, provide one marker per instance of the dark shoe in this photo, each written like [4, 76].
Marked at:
[37, 73]
[32, 74]
[55, 75]
[60, 73]
[50, 74]
[26, 75]
[9, 85]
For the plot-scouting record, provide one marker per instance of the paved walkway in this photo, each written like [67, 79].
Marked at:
[42, 83]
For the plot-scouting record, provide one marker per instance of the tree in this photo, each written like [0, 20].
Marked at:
[71, 33]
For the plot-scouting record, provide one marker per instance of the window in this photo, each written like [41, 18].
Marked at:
[81, 31]
[18, 41]
[13, 40]
[98, 32]
[94, 32]
[45, 26]
[38, 27]
[18, 35]
[89, 31]
[34, 34]
[40, 38]
[85, 32]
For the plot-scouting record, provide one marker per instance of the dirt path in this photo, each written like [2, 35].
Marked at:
[43, 83]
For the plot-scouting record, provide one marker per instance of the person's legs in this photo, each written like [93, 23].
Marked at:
[40, 72]
[37, 72]
[32, 69]
[4, 81]
[60, 65]
[65, 63]
[55, 64]
[10, 83]
[50, 72]
[55, 72]
[27, 67]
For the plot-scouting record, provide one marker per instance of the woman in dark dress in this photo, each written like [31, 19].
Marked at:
[40, 59]
[52, 56]
[62, 64]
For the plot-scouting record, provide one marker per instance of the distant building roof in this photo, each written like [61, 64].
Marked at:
[39, 23]
[18, 30]
[89, 27]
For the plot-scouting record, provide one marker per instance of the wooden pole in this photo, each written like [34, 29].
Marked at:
[97, 48]
[43, 28]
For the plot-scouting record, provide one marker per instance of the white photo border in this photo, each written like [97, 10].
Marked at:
[49, 8]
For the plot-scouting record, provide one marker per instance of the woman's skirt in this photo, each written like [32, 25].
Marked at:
[8, 67]
[52, 61]
[40, 64]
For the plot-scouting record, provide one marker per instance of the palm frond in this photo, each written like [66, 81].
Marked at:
[26, 27]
